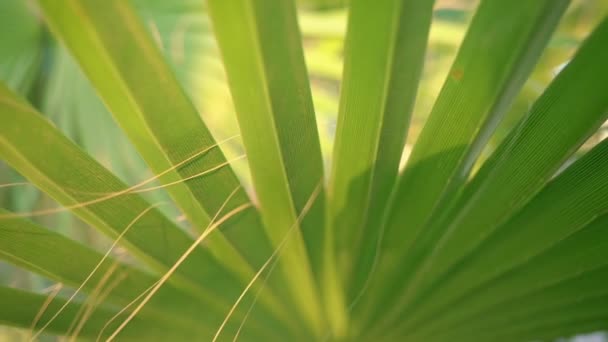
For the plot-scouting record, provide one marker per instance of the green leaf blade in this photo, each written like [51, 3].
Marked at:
[71, 264]
[381, 74]
[478, 90]
[159, 119]
[58, 167]
[22, 308]
[260, 44]
[563, 209]
[542, 142]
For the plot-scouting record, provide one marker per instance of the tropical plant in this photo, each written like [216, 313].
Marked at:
[456, 246]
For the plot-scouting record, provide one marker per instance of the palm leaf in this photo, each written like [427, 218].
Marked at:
[379, 74]
[460, 125]
[152, 237]
[25, 307]
[539, 137]
[135, 107]
[21, 49]
[259, 41]
[72, 264]
[480, 237]
[544, 137]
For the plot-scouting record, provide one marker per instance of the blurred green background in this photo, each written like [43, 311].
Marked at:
[37, 67]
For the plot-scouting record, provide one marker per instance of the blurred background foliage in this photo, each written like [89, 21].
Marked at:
[37, 67]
